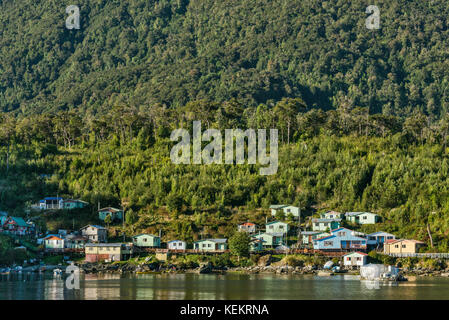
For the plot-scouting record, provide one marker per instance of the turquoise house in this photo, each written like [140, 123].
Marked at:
[271, 239]
[362, 217]
[256, 245]
[73, 204]
[211, 245]
[276, 227]
[325, 224]
[147, 240]
[116, 214]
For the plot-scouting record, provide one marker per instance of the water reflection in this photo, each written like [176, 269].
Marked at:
[218, 287]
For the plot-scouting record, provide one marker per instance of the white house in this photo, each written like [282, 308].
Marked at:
[294, 211]
[356, 259]
[247, 227]
[177, 245]
[51, 203]
[332, 215]
[54, 242]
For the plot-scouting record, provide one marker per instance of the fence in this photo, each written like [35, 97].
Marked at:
[420, 255]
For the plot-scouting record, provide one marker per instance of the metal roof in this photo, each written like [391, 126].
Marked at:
[104, 244]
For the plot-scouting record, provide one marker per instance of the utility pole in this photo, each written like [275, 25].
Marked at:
[299, 230]
[123, 222]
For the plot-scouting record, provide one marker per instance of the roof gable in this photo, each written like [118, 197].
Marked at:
[145, 234]
[276, 222]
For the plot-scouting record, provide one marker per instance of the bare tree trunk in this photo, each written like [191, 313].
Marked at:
[7, 157]
[430, 235]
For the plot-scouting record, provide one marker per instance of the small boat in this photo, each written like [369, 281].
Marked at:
[57, 272]
[6, 271]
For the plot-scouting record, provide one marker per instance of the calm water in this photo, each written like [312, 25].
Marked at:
[232, 286]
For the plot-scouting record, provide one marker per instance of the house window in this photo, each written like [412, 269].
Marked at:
[145, 240]
[404, 246]
[281, 227]
[358, 259]
[317, 224]
[328, 243]
[365, 217]
[348, 259]
[396, 246]
[209, 245]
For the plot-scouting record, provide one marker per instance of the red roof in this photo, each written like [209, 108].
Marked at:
[247, 224]
[363, 254]
[53, 238]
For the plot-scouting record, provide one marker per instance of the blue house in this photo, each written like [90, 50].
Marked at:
[341, 239]
[377, 239]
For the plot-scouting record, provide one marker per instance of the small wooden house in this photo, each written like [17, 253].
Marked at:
[287, 209]
[54, 243]
[377, 239]
[362, 217]
[256, 245]
[95, 233]
[49, 203]
[96, 252]
[355, 259]
[276, 227]
[16, 226]
[247, 227]
[332, 215]
[73, 204]
[271, 239]
[146, 240]
[177, 245]
[114, 213]
[73, 241]
[403, 246]
[325, 224]
[211, 245]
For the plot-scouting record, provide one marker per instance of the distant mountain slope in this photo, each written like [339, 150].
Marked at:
[142, 52]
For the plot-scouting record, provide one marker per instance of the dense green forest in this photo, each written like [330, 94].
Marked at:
[147, 52]
[347, 161]
[361, 114]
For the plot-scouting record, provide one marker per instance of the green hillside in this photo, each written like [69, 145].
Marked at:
[340, 161]
[145, 52]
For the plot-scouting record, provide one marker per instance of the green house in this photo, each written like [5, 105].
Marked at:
[271, 239]
[256, 245]
[325, 224]
[211, 245]
[147, 240]
[276, 227]
[74, 204]
[362, 217]
[116, 214]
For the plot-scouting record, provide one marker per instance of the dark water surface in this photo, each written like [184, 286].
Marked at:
[217, 287]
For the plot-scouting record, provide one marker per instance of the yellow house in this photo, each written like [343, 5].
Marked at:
[107, 252]
[403, 246]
